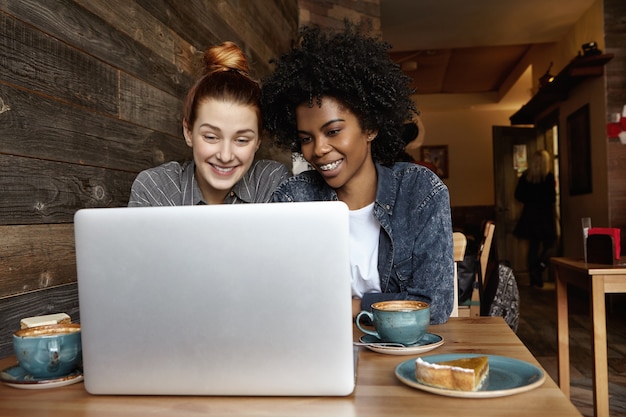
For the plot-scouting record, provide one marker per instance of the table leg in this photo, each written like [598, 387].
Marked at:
[599, 348]
[562, 333]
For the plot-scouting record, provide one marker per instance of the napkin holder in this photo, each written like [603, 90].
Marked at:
[603, 245]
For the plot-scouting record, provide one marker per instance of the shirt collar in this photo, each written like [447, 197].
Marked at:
[387, 187]
[191, 191]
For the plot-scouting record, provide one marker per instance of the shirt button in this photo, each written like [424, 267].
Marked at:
[232, 193]
[388, 207]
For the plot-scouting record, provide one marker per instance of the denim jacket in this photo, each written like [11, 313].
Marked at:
[415, 254]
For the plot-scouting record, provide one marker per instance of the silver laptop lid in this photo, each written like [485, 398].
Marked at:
[250, 299]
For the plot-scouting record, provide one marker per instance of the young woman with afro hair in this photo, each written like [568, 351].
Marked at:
[338, 99]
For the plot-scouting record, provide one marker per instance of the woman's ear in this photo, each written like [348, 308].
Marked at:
[187, 134]
[371, 135]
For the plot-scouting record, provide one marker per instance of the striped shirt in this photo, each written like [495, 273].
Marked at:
[174, 184]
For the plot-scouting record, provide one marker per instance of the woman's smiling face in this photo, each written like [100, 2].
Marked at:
[224, 139]
[334, 143]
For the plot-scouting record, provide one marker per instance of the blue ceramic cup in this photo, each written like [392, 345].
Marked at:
[397, 321]
[48, 351]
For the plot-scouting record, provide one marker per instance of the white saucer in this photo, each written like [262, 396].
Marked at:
[16, 377]
[429, 342]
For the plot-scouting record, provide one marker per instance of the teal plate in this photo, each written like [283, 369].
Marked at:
[429, 342]
[507, 376]
[17, 377]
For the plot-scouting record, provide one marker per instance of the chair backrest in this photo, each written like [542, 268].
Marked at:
[460, 243]
[505, 301]
[485, 250]
[483, 259]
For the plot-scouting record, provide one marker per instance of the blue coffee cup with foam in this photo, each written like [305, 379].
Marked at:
[48, 351]
[397, 321]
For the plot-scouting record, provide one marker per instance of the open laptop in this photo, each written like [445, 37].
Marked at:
[250, 299]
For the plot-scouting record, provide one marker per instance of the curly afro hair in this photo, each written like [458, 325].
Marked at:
[350, 67]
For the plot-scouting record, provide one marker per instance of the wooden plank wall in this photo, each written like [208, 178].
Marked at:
[615, 41]
[90, 94]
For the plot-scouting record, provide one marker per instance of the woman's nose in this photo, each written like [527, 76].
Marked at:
[225, 152]
[320, 146]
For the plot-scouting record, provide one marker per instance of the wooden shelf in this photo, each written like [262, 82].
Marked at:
[579, 69]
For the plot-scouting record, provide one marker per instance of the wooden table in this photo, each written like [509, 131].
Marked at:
[378, 391]
[598, 280]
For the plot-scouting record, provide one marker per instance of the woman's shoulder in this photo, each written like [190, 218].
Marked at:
[409, 172]
[305, 177]
[260, 181]
[169, 170]
[161, 185]
[309, 175]
[266, 168]
[409, 186]
[408, 168]
[269, 164]
[305, 186]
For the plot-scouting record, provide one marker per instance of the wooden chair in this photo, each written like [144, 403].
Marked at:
[471, 308]
[460, 243]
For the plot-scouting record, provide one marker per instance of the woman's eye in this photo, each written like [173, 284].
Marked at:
[209, 138]
[333, 132]
[242, 141]
[305, 139]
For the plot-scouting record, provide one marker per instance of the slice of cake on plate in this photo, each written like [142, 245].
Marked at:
[465, 374]
[57, 318]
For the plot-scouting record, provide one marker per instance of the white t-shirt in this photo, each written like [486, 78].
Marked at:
[364, 234]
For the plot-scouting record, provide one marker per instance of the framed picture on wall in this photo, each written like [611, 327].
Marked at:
[579, 151]
[437, 159]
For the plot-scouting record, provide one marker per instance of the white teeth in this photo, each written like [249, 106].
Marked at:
[330, 166]
[223, 169]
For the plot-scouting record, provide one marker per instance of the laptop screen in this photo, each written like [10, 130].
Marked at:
[250, 299]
